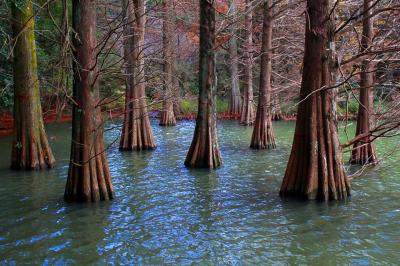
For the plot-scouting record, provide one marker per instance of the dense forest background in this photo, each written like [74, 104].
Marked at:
[53, 28]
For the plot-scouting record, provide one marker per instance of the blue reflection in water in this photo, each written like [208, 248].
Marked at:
[165, 213]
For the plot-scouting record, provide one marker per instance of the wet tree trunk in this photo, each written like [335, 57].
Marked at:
[247, 115]
[30, 147]
[263, 133]
[315, 169]
[136, 131]
[364, 150]
[167, 115]
[89, 178]
[204, 151]
[234, 100]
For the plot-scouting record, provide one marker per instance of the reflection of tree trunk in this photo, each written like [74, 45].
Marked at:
[315, 169]
[89, 177]
[136, 132]
[247, 115]
[167, 115]
[204, 150]
[30, 148]
[234, 101]
[263, 133]
[364, 150]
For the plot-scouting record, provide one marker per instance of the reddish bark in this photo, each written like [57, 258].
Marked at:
[136, 131]
[247, 115]
[204, 150]
[167, 117]
[234, 99]
[364, 150]
[89, 177]
[315, 169]
[263, 133]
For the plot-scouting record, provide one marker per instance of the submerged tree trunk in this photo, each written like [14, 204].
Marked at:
[247, 115]
[204, 150]
[30, 147]
[136, 131]
[167, 115]
[234, 100]
[364, 150]
[89, 177]
[263, 133]
[315, 169]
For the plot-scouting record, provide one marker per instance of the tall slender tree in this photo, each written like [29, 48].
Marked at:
[247, 115]
[263, 133]
[89, 178]
[136, 130]
[204, 150]
[234, 100]
[364, 150]
[30, 147]
[167, 117]
[315, 169]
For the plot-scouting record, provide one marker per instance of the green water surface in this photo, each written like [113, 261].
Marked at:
[165, 213]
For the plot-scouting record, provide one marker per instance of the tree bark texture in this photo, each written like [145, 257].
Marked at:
[30, 146]
[263, 133]
[315, 169]
[167, 117]
[136, 130]
[89, 178]
[364, 150]
[204, 151]
[247, 115]
[234, 99]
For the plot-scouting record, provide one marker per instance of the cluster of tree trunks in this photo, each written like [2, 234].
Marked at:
[204, 150]
[315, 169]
[89, 176]
[136, 130]
[167, 117]
[247, 114]
[30, 147]
[263, 134]
[364, 150]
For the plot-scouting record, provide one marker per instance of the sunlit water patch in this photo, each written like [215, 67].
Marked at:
[165, 213]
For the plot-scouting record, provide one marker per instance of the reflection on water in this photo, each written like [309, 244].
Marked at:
[165, 213]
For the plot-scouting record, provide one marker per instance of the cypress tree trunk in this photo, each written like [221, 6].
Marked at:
[204, 150]
[234, 100]
[247, 115]
[136, 131]
[364, 150]
[276, 108]
[315, 169]
[30, 147]
[167, 115]
[263, 133]
[176, 86]
[89, 177]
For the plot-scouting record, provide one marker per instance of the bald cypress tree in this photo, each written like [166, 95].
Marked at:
[263, 133]
[89, 178]
[204, 150]
[315, 169]
[30, 147]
